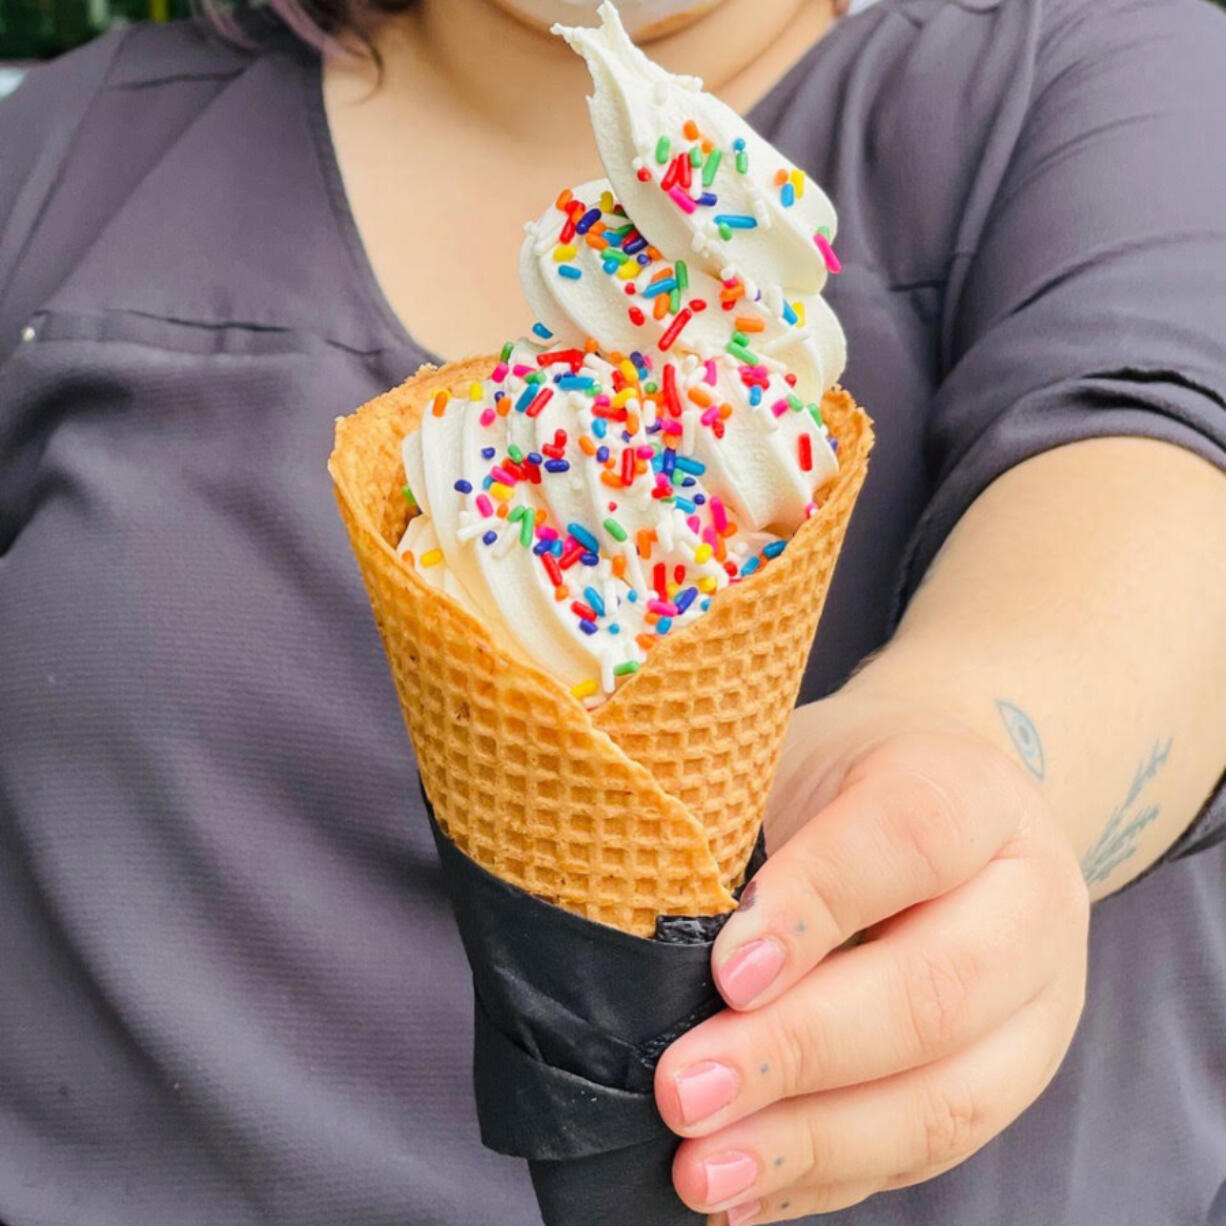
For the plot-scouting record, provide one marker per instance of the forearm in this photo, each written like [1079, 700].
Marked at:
[1077, 619]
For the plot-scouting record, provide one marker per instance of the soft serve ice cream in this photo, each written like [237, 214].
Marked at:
[659, 436]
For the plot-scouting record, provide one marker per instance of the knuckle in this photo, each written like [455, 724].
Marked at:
[817, 1198]
[843, 1196]
[1060, 896]
[950, 1121]
[1074, 898]
[927, 822]
[796, 1040]
[818, 900]
[938, 989]
[1017, 796]
[817, 1155]
[908, 1179]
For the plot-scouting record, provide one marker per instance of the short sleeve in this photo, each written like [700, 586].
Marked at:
[1094, 302]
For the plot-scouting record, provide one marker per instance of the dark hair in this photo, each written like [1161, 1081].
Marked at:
[317, 22]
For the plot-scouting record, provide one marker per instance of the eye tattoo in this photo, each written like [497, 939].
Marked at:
[1025, 737]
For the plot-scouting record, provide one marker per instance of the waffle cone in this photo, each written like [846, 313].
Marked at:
[648, 805]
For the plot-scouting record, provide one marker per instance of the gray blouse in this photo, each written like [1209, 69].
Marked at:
[230, 990]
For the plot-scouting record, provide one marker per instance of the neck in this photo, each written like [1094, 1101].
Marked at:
[537, 80]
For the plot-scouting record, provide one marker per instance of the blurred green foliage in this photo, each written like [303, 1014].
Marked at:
[39, 29]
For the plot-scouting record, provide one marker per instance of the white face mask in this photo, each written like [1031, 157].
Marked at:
[640, 17]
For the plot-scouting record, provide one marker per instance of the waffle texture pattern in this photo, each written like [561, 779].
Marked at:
[650, 804]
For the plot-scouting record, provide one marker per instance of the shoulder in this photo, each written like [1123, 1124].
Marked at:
[906, 112]
[58, 95]
[919, 116]
[137, 123]
[1105, 31]
[1072, 17]
[130, 56]
[51, 97]
[84, 68]
[1026, 30]
[39, 121]
[162, 53]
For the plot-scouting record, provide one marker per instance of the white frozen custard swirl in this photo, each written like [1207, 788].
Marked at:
[659, 436]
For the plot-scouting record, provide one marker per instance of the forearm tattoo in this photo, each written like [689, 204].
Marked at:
[1118, 841]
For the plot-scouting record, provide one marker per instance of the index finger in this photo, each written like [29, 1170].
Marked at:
[915, 818]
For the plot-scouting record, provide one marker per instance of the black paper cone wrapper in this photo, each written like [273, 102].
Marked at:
[571, 1017]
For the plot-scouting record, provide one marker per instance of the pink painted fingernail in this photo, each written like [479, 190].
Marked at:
[738, 1215]
[750, 971]
[728, 1175]
[702, 1089]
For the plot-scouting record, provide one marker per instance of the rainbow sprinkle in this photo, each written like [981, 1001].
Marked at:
[635, 420]
[822, 239]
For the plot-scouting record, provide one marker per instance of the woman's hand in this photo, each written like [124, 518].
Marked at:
[841, 1071]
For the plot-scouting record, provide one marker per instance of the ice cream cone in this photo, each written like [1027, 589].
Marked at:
[649, 805]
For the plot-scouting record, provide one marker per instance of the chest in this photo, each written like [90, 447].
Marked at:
[441, 231]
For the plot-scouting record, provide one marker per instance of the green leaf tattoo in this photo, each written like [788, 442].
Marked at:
[1025, 737]
[1118, 841]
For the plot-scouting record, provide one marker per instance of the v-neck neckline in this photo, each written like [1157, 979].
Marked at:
[351, 236]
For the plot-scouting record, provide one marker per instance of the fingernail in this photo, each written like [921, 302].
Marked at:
[738, 1215]
[750, 971]
[702, 1089]
[749, 895]
[728, 1175]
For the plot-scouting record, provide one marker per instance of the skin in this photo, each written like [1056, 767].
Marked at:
[1048, 718]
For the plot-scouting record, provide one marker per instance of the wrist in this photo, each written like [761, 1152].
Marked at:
[829, 737]
[897, 694]
[832, 742]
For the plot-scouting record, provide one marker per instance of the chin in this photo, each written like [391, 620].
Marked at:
[644, 19]
[669, 25]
